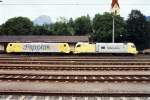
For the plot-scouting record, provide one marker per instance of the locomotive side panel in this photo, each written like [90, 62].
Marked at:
[84, 48]
[111, 48]
[40, 47]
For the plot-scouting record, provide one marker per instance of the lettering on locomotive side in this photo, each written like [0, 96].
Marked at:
[113, 48]
[36, 47]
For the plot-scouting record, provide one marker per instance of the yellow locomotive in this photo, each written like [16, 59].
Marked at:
[38, 47]
[116, 48]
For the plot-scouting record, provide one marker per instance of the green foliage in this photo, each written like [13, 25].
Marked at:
[136, 29]
[17, 26]
[82, 25]
[148, 33]
[42, 30]
[102, 26]
[71, 26]
[61, 28]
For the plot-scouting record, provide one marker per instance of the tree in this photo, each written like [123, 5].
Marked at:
[102, 26]
[148, 32]
[71, 26]
[42, 30]
[60, 28]
[82, 25]
[136, 29]
[17, 26]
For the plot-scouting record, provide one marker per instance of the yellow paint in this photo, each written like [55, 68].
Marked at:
[14, 47]
[85, 48]
[18, 47]
[8, 48]
[132, 49]
[64, 47]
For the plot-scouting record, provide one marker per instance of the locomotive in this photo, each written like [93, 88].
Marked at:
[38, 47]
[114, 48]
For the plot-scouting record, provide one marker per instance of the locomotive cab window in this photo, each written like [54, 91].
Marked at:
[64, 45]
[132, 46]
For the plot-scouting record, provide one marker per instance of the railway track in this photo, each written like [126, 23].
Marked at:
[54, 97]
[79, 78]
[79, 67]
[47, 56]
[75, 61]
[75, 64]
[74, 77]
[76, 88]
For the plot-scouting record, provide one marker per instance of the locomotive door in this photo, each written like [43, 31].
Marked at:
[97, 48]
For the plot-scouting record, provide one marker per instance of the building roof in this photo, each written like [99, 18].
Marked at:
[36, 38]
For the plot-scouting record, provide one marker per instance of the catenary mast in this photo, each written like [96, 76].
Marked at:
[115, 9]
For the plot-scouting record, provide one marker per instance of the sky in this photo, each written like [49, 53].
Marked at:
[67, 8]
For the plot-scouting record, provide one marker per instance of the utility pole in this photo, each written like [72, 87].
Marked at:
[1, 1]
[115, 11]
[113, 32]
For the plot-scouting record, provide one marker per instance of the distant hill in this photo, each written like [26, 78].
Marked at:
[41, 20]
[148, 18]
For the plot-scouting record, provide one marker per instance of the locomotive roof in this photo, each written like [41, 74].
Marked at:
[36, 38]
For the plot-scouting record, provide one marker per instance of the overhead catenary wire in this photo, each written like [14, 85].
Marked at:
[71, 4]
